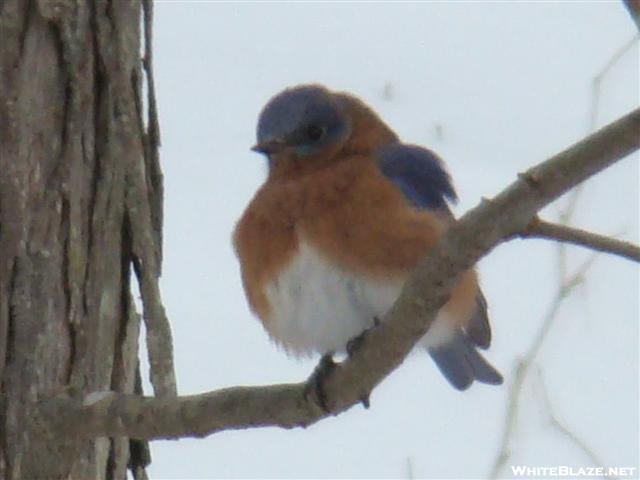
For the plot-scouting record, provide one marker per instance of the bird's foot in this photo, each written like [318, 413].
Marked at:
[355, 342]
[314, 387]
[352, 346]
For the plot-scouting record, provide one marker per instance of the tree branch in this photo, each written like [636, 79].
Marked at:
[383, 348]
[567, 281]
[559, 425]
[524, 365]
[563, 233]
[596, 92]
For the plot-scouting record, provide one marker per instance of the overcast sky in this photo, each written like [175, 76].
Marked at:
[493, 88]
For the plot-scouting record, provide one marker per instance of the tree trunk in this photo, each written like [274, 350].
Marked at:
[79, 181]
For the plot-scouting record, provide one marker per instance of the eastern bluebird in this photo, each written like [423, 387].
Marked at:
[347, 211]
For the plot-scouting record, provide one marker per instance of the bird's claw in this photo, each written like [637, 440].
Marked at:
[355, 342]
[314, 387]
[352, 347]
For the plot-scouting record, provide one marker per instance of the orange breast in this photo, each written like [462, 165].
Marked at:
[354, 216]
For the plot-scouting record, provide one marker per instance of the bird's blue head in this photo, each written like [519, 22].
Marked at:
[304, 120]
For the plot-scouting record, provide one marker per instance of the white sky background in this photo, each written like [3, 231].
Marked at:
[509, 84]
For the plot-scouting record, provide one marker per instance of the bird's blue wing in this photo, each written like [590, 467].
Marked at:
[420, 175]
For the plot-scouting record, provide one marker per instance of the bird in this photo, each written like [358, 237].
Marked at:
[346, 212]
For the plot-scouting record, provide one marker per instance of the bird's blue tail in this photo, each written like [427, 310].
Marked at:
[461, 363]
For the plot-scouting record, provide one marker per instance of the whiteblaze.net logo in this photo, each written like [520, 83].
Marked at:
[566, 471]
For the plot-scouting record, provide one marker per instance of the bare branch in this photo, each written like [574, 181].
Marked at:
[558, 425]
[596, 82]
[596, 90]
[410, 470]
[566, 282]
[383, 348]
[524, 365]
[601, 243]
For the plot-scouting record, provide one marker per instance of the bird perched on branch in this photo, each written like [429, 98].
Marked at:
[347, 211]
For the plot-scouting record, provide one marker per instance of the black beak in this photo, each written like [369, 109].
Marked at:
[268, 147]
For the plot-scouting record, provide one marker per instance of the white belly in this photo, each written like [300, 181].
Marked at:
[317, 307]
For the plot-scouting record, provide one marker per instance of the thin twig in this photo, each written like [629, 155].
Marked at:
[557, 424]
[564, 284]
[563, 233]
[568, 211]
[524, 365]
[410, 470]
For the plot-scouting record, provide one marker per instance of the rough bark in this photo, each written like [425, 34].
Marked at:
[79, 190]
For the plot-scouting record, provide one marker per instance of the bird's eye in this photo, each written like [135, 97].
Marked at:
[315, 132]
